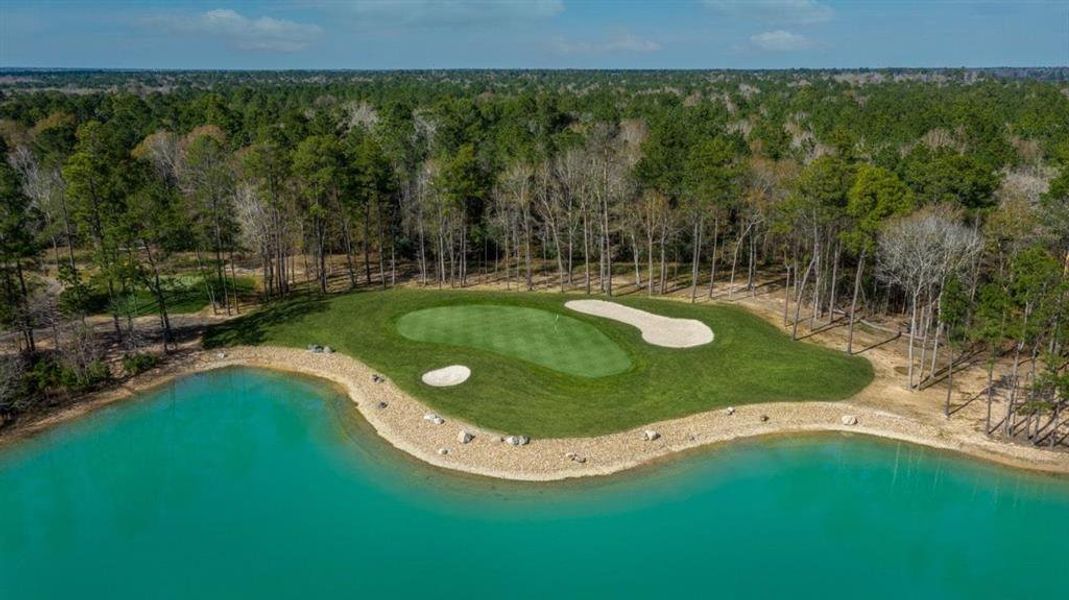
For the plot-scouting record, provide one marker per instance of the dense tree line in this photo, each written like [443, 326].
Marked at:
[935, 204]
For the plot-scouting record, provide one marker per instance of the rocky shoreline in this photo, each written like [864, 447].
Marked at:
[413, 427]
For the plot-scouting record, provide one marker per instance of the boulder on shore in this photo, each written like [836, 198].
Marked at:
[730, 410]
[517, 440]
[849, 420]
[443, 451]
[465, 437]
[575, 457]
[433, 418]
[764, 418]
[649, 435]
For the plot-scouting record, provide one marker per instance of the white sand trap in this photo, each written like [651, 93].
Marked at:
[656, 330]
[447, 376]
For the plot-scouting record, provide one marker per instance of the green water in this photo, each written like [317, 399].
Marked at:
[243, 483]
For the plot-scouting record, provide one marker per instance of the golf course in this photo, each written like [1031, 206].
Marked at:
[541, 369]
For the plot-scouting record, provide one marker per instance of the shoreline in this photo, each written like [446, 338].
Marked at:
[401, 424]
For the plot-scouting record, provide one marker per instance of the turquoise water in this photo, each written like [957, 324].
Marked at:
[244, 483]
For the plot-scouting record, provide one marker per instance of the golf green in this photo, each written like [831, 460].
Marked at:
[549, 339]
[537, 375]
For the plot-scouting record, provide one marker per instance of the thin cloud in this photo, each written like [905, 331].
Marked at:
[437, 13]
[798, 12]
[780, 41]
[243, 33]
[620, 43]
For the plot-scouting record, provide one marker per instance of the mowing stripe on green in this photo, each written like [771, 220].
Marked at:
[549, 339]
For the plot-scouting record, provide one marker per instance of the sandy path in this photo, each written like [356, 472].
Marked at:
[401, 423]
[656, 329]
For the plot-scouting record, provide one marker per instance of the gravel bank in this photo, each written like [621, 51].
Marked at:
[400, 419]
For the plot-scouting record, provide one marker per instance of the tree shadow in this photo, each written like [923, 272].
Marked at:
[961, 363]
[836, 322]
[956, 408]
[878, 344]
[252, 329]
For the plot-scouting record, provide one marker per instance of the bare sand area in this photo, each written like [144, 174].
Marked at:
[447, 376]
[656, 329]
[457, 445]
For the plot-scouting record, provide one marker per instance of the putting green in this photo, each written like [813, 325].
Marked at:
[511, 391]
[549, 339]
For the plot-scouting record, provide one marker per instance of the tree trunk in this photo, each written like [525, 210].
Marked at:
[912, 335]
[834, 281]
[367, 244]
[608, 245]
[990, 387]
[347, 239]
[649, 261]
[926, 317]
[586, 249]
[935, 350]
[798, 299]
[382, 242]
[751, 272]
[26, 320]
[853, 303]
[712, 269]
[634, 253]
[161, 301]
[696, 256]
[734, 260]
[663, 274]
[950, 385]
[786, 291]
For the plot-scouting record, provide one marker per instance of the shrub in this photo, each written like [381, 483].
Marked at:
[96, 372]
[134, 364]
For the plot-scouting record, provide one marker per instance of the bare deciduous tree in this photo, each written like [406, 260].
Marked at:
[917, 253]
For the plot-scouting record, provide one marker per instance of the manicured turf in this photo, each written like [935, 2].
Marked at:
[545, 338]
[749, 361]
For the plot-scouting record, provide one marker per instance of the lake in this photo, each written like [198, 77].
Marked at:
[245, 482]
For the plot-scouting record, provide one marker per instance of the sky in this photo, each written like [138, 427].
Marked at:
[426, 34]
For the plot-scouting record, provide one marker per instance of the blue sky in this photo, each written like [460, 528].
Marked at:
[388, 34]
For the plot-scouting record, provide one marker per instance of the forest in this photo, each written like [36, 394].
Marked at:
[933, 205]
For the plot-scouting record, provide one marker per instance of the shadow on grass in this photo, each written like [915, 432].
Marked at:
[252, 329]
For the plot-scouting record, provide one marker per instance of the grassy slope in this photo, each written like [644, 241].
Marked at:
[545, 338]
[749, 361]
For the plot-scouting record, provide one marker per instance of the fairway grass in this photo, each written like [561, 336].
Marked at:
[750, 361]
[545, 338]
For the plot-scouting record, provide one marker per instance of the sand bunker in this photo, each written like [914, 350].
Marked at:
[447, 376]
[656, 330]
